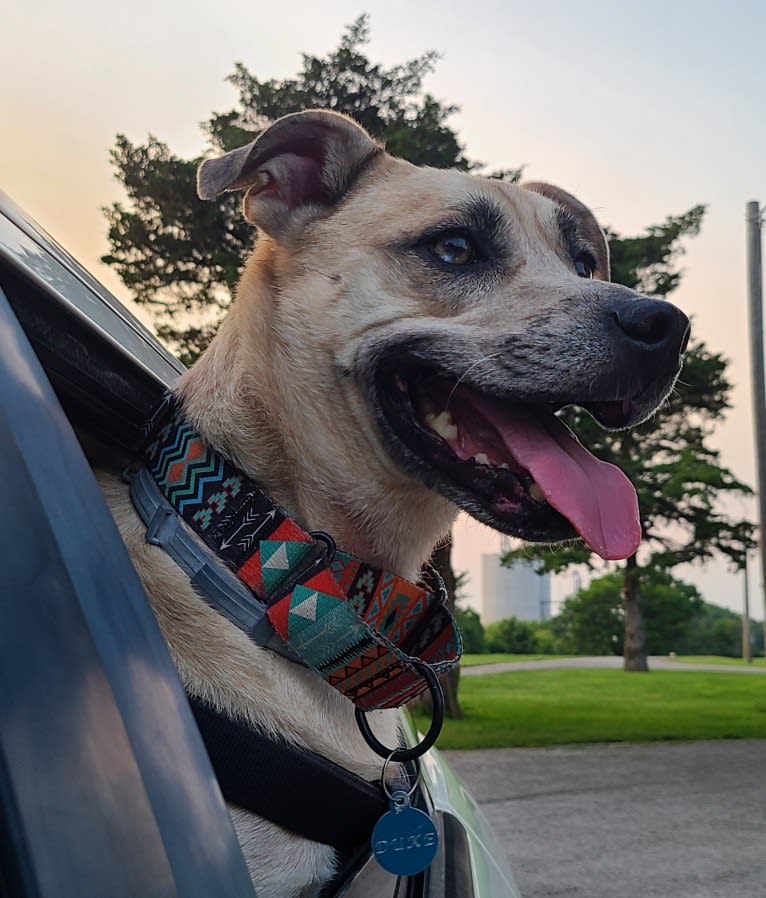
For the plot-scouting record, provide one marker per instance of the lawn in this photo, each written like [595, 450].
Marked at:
[557, 707]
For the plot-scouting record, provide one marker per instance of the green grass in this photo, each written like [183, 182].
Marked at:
[557, 707]
[715, 659]
[499, 658]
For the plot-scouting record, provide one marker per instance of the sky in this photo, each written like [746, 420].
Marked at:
[642, 110]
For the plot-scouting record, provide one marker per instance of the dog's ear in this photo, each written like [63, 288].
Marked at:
[585, 220]
[304, 162]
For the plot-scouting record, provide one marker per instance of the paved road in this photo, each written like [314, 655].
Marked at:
[681, 820]
[656, 662]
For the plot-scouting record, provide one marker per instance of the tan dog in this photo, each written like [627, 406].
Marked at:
[400, 342]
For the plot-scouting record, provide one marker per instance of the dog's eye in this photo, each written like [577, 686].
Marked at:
[584, 265]
[454, 249]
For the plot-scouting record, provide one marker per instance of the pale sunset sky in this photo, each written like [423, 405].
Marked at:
[640, 109]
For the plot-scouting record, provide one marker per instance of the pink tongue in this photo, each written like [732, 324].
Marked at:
[594, 496]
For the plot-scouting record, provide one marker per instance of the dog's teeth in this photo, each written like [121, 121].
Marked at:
[442, 424]
[536, 493]
[504, 466]
[481, 459]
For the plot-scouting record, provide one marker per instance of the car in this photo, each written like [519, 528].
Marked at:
[105, 786]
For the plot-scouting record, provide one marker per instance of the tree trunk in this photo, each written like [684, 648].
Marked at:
[634, 649]
[442, 561]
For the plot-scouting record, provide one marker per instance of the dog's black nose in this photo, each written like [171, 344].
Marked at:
[653, 324]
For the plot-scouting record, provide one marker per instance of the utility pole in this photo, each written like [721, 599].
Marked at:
[747, 654]
[755, 298]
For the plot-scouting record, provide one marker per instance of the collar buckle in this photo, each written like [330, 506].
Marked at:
[319, 555]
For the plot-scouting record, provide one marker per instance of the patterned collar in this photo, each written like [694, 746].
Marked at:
[361, 629]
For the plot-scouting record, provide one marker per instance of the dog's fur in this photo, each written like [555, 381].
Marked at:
[339, 280]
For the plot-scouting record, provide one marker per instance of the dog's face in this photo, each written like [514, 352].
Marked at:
[454, 316]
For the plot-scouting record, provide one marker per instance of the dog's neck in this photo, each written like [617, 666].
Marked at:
[230, 396]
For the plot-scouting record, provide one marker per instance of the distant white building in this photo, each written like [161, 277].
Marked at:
[516, 591]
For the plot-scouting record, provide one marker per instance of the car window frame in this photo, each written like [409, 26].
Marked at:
[105, 785]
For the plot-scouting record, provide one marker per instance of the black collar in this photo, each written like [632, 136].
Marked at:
[295, 788]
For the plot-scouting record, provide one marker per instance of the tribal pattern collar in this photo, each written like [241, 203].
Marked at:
[362, 629]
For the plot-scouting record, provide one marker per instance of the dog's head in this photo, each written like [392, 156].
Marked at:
[456, 315]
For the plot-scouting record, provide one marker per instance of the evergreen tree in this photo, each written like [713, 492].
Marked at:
[181, 257]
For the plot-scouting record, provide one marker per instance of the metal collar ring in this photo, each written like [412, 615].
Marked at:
[437, 719]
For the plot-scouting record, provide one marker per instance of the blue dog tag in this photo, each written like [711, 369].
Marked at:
[404, 840]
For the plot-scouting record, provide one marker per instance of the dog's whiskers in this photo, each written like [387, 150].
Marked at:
[666, 404]
[467, 372]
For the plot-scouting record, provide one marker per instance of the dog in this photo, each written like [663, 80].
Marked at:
[401, 341]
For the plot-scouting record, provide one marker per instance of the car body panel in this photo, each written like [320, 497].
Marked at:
[450, 799]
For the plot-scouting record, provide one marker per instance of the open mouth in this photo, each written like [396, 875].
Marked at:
[515, 465]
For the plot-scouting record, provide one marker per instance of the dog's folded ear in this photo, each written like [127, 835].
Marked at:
[302, 163]
[584, 221]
